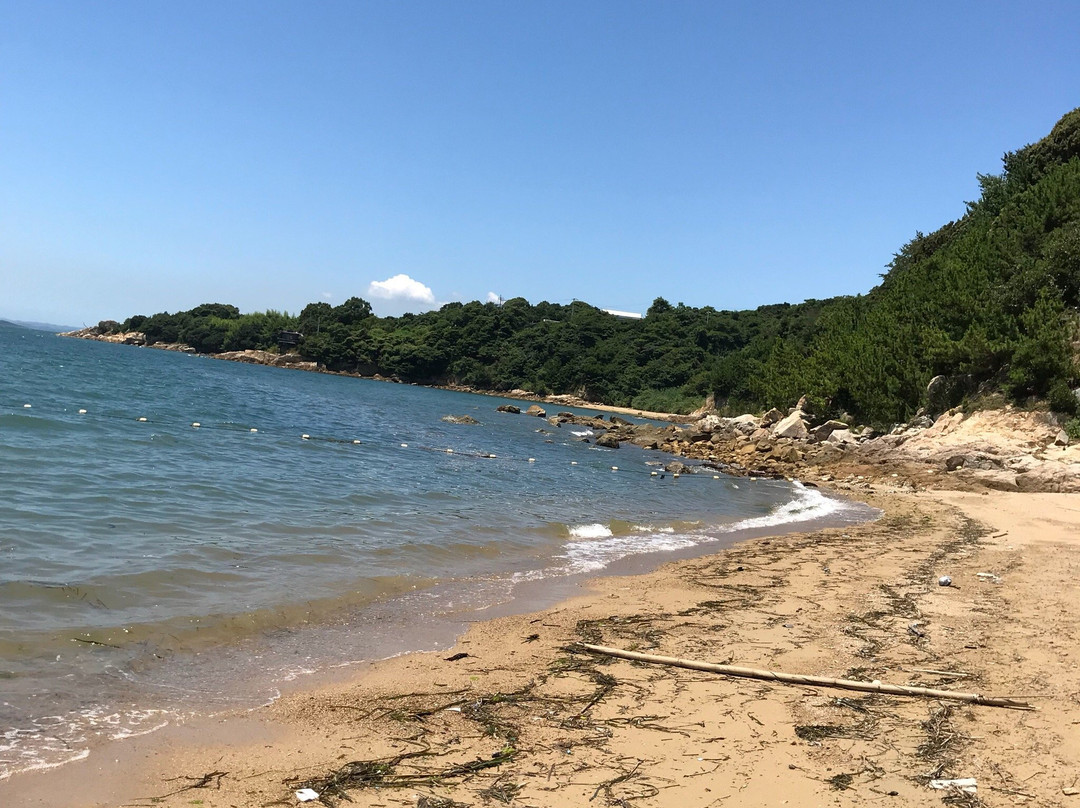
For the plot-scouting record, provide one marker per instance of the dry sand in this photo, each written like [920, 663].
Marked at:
[571, 729]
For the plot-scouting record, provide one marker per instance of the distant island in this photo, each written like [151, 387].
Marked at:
[983, 311]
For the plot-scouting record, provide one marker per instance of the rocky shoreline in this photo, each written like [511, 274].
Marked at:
[1002, 449]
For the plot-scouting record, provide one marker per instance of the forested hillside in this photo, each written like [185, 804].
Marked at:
[988, 303]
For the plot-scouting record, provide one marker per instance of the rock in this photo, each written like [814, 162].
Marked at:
[511, 408]
[822, 432]
[955, 462]
[841, 437]
[920, 422]
[459, 419]
[760, 434]
[773, 416]
[675, 467]
[1062, 438]
[710, 423]
[607, 441]
[615, 419]
[1051, 477]
[787, 454]
[793, 426]
[536, 410]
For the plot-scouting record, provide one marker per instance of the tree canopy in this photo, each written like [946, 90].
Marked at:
[988, 301]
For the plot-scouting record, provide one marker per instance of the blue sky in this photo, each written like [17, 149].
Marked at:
[154, 156]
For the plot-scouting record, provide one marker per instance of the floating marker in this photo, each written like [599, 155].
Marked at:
[82, 412]
[449, 451]
[404, 446]
[141, 418]
[532, 459]
[614, 468]
[573, 462]
[305, 437]
[26, 406]
[253, 429]
[675, 475]
[716, 476]
[356, 441]
[196, 425]
[652, 473]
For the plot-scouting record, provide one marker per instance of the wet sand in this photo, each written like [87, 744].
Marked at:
[527, 719]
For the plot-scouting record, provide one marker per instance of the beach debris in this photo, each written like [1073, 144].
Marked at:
[944, 580]
[914, 629]
[803, 679]
[989, 577]
[532, 638]
[307, 794]
[964, 784]
[1070, 791]
[456, 657]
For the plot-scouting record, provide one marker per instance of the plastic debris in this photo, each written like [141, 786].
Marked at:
[944, 580]
[989, 577]
[965, 784]
[307, 794]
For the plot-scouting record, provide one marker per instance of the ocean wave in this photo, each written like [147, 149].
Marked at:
[807, 504]
[592, 555]
[585, 433]
[593, 531]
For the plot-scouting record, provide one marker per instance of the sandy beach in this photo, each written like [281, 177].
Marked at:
[517, 714]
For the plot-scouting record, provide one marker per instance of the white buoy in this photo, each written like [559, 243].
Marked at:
[82, 412]
[652, 473]
[26, 406]
[449, 451]
[305, 437]
[404, 446]
[614, 468]
[253, 429]
[195, 425]
[356, 441]
[573, 462]
[675, 475]
[141, 418]
[716, 476]
[532, 459]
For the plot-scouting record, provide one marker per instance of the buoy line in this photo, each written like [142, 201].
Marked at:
[228, 426]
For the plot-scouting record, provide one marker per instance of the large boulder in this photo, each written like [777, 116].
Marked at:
[793, 426]
[608, 441]
[537, 410]
[771, 417]
[511, 408]
[459, 419]
[822, 432]
[841, 437]
[615, 419]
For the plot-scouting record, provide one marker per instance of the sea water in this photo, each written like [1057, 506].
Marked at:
[180, 534]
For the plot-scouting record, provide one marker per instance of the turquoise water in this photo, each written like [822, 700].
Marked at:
[150, 568]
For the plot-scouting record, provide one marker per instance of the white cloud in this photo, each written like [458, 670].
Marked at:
[493, 298]
[401, 288]
[327, 295]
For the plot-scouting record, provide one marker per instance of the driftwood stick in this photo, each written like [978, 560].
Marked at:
[812, 681]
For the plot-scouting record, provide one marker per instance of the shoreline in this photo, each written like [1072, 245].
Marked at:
[860, 601]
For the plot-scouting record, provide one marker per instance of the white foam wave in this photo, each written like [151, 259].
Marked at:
[592, 555]
[807, 504]
[593, 531]
[585, 433]
[652, 529]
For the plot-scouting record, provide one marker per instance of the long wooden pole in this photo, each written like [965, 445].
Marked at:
[813, 681]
